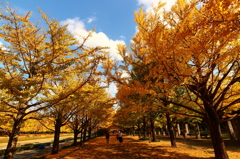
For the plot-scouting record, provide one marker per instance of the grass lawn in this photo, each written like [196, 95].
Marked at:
[4, 139]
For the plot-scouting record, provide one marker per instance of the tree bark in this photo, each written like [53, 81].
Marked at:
[175, 130]
[231, 132]
[55, 148]
[236, 127]
[163, 129]
[133, 131]
[76, 132]
[84, 134]
[89, 130]
[144, 127]
[186, 129]
[153, 131]
[197, 131]
[170, 130]
[157, 131]
[12, 141]
[215, 132]
[178, 130]
[139, 130]
[81, 138]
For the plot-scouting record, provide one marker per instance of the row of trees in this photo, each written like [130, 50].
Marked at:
[183, 62]
[46, 72]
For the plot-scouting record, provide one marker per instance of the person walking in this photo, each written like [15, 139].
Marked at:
[107, 137]
[120, 136]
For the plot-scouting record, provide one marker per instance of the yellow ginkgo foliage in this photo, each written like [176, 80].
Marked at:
[189, 56]
[196, 46]
[33, 60]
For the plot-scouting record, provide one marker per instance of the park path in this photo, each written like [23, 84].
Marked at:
[131, 148]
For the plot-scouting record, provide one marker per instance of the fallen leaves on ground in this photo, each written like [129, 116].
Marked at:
[132, 148]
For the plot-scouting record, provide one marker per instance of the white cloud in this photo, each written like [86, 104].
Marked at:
[122, 37]
[77, 28]
[125, 74]
[149, 3]
[90, 20]
[112, 88]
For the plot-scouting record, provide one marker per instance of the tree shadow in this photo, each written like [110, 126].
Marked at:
[129, 149]
[231, 145]
[206, 143]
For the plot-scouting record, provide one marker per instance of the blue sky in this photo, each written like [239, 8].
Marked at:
[113, 19]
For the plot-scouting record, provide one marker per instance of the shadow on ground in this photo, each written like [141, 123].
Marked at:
[130, 149]
[231, 145]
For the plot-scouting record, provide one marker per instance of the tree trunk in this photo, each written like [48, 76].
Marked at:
[163, 130]
[186, 129]
[81, 138]
[139, 130]
[215, 132]
[12, 141]
[89, 131]
[236, 127]
[175, 131]
[178, 130]
[85, 129]
[231, 132]
[55, 148]
[170, 130]
[84, 134]
[197, 131]
[166, 130]
[153, 131]
[76, 132]
[144, 127]
[157, 131]
[133, 131]
[184, 132]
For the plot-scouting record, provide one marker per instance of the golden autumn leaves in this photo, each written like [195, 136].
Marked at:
[186, 58]
[44, 69]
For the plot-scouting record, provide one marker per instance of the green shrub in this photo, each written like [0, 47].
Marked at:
[144, 138]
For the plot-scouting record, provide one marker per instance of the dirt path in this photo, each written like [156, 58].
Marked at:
[131, 148]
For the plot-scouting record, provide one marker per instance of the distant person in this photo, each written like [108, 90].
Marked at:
[120, 136]
[107, 137]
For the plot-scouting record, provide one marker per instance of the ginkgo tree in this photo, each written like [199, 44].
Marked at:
[32, 58]
[196, 44]
[94, 107]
